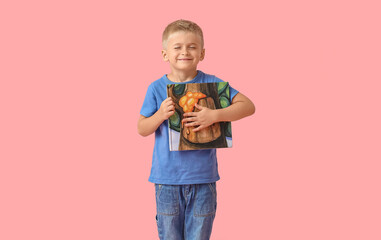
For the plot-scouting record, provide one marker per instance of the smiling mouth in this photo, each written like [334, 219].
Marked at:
[186, 59]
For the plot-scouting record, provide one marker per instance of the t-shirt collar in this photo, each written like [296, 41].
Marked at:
[199, 73]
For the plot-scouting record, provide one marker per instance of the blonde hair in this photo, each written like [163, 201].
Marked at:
[181, 25]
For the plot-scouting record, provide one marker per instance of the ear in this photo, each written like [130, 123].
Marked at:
[202, 54]
[164, 54]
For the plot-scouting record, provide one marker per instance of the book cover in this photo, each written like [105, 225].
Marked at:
[211, 95]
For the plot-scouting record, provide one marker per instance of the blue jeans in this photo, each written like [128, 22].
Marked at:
[185, 212]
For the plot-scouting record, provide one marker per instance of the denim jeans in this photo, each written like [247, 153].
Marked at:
[185, 212]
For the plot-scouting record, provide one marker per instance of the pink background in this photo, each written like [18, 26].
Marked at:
[74, 74]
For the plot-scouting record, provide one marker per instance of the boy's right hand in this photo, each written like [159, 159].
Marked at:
[167, 108]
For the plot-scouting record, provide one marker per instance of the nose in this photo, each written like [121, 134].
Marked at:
[184, 51]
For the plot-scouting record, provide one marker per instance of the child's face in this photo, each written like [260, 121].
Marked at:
[183, 51]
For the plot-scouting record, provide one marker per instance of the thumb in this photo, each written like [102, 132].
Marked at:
[199, 107]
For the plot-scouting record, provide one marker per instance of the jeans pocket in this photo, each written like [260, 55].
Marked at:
[167, 199]
[206, 200]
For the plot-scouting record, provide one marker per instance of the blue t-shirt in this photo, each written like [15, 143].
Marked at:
[178, 167]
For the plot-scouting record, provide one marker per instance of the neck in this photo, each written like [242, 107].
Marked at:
[181, 76]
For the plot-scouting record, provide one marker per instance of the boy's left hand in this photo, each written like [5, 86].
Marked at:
[202, 119]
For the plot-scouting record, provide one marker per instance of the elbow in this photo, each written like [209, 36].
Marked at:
[142, 133]
[251, 109]
[143, 128]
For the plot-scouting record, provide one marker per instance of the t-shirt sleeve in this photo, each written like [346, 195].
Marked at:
[150, 103]
[232, 91]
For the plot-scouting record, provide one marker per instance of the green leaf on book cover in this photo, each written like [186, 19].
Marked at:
[221, 86]
[224, 101]
[228, 131]
[227, 92]
[174, 122]
[178, 89]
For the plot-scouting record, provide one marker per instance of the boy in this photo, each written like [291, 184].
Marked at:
[185, 181]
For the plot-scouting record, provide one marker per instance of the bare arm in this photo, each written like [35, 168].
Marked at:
[241, 107]
[148, 125]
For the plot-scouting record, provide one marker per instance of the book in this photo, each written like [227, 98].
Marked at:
[214, 95]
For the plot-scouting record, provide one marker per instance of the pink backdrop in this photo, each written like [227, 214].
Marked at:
[74, 74]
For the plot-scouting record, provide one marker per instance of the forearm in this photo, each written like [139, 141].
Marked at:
[232, 113]
[241, 107]
[147, 126]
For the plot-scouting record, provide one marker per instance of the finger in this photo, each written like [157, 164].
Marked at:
[169, 104]
[190, 114]
[189, 119]
[165, 102]
[169, 114]
[197, 128]
[192, 124]
[199, 107]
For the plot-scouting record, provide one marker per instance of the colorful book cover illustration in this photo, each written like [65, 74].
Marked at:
[185, 96]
